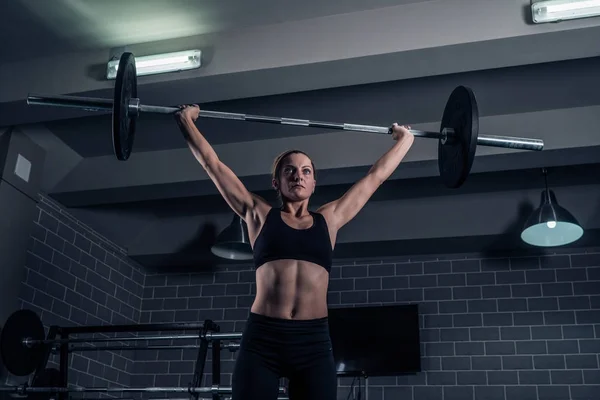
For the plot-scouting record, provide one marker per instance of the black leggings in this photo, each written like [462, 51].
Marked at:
[299, 350]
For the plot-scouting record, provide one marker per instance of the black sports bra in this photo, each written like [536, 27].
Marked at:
[277, 240]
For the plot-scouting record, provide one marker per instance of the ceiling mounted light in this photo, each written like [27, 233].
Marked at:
[551, 225]
[160, 63]
[233, 243]
[545, 11]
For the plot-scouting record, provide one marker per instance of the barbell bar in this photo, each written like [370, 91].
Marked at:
[458, 137]
[77, 389]
[136, 108]
[208, 335]
[48, 381]
[24, 389]
[283, 397]
[230, 346]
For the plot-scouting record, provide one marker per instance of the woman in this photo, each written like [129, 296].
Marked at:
[287, 330]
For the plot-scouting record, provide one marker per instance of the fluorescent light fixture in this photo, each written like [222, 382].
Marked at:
[160, 63]
[560, 10]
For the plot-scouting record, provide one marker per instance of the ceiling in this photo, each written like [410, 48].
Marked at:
[70, 26]
[351, 61]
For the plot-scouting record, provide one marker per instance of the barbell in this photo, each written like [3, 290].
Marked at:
[232, 347]
[23, 345]
[208, 335]
[458, 137]
[48, 381]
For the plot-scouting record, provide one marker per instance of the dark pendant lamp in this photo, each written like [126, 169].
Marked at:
[233, 243]
[551, 225]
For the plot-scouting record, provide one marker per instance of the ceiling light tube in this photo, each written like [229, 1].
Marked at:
[160, 63]
[545, 11]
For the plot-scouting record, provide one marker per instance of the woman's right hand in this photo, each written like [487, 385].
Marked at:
[188, 112]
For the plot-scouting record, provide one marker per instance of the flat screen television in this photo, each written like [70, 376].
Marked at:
[376, 340]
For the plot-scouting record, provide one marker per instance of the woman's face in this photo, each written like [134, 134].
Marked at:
[296, 178]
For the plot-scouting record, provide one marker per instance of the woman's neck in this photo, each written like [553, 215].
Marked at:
[299, 209]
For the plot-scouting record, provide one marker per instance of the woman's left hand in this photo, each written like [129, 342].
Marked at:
[400, 131]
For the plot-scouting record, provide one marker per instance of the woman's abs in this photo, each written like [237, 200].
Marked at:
[291, 289]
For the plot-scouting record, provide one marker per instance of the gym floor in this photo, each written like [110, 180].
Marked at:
[91, 240]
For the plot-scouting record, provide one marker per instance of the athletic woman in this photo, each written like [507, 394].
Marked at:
[287, 333]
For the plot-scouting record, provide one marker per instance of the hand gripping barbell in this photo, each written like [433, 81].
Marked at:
[457, 140]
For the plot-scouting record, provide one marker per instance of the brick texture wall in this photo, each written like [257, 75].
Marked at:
[224, 296]
[74, 276]
[493, 328]
[505, 327]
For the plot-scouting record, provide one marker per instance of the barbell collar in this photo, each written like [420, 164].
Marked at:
[510, 142]
[83, 103]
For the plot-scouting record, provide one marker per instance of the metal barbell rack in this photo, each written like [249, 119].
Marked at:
[26, 350]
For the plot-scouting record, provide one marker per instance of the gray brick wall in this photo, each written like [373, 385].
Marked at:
[224, 296]
[74, 276]
[492, 328]
[503, 327]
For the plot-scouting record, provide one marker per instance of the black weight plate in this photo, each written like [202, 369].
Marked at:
[48, 377]
[19, 359]
[455, 157]
[123, 121]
